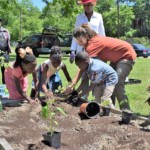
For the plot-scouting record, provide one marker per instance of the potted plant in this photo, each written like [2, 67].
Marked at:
[52, 137]
[106, 110]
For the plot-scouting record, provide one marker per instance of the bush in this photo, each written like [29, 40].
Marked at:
[143, 40]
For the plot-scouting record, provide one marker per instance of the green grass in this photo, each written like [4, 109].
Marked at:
[137, 93]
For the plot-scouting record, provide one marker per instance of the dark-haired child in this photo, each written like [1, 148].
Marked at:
[17, 72]
[49, 68]
[102, 76]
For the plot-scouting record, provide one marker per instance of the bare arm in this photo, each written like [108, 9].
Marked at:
[36, 82]
[65, 71]
[74, 82]
[18, 86]
[92, 85]
[85, 79]
[77, 77]
[43, 81]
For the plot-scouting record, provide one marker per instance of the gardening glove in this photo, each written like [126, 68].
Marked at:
[72, 56]
[74, 93]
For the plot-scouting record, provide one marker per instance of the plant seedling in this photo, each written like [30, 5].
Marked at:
[49, 113]
[59, 90]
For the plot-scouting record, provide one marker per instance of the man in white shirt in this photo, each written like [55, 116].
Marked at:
[90, 17]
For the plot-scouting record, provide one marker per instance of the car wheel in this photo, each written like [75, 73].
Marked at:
[36, 54]
[145, 56]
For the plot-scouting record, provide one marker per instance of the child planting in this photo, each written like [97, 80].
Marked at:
[17, 72]
[103, 77]
[50, 67]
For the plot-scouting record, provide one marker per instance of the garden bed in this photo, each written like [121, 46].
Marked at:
[23, 127]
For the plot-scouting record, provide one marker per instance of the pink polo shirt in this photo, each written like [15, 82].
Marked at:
[10, 72]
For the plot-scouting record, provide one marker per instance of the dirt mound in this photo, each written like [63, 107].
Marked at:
[23, 127]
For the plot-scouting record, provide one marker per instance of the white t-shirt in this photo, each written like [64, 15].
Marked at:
[51, 69]
[96, 23]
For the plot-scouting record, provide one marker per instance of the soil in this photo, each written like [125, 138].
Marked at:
[23, 127]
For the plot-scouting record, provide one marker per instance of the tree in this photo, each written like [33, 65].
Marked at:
[61, 14]
[108, 8]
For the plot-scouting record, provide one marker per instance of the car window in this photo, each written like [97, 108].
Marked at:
[140, 46]
[34, 39]
[50, 40]
[25, 40]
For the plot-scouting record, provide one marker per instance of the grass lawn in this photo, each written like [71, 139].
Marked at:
[137, 93]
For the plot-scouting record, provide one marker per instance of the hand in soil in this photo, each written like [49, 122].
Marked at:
[68, 90]
[49, 94]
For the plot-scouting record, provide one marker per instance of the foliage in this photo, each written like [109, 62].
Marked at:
[21, 18]
[61, 14]
[2, 60]
[143, 40]
[59, 90]
[49, 113]
[105, 103]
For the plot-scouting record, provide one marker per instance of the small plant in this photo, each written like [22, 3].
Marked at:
[106, 103]
[60, 90]
[106, 111]
[49, 113]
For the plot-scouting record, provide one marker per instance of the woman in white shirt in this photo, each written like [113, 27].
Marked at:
[90, 17]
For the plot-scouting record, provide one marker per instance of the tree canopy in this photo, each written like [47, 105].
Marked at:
[128, 17]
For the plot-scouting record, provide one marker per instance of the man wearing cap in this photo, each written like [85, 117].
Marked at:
[4, 46]
[93, 19]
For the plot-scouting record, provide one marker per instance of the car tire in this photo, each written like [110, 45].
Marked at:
[36, 54]
[145, 56]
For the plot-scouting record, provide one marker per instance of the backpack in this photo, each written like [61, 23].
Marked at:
[3, 40]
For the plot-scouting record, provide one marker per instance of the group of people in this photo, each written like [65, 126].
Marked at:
[91, 50]
[89, 36]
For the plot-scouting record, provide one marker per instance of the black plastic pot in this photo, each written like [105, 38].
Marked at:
[53, 140]
[126, 117]
[91, 110]
[106, 111]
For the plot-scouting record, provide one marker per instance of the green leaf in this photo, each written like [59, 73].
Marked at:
[56, 123]
[60, 110]
[105, 102]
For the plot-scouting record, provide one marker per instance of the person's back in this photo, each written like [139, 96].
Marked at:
[110, 49]
[98, 70]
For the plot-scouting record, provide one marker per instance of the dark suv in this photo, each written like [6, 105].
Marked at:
[65, 42]
[41, 43]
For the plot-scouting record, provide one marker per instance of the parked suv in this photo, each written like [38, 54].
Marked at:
[41, 43]
[65, 42]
